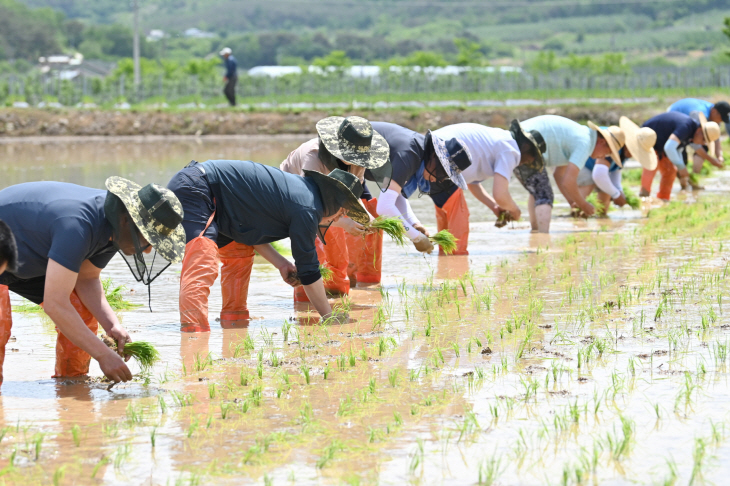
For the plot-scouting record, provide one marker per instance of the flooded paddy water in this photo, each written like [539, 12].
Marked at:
[598, 354]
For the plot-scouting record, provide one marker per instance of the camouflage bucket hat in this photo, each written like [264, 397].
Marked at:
[534, 139]
[156, 212]
[353, 140]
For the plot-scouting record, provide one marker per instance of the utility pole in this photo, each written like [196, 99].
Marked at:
[135, 43]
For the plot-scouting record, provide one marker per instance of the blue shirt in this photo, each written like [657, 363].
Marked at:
[672, 123]
[58, 221]
[688, 106]
[407, 150]
[231, 65]
[567, 141]
[258, 204]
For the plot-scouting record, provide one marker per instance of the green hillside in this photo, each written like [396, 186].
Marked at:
[294, 31]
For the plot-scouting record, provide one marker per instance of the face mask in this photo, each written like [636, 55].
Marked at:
[143, 261]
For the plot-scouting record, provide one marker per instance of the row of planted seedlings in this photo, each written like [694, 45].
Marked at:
[614, 331]
[545, 368]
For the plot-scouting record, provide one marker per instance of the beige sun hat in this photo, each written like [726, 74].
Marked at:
[614, 137]
[710, 130]
[640, 142]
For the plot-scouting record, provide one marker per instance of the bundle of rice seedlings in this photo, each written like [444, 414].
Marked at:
[145, 353]
[593, 200]
[632, 199]
[393, 227]
[326, 273]
[503, 218]
[445, 240]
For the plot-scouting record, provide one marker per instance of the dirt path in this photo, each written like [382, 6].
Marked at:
[29, 122]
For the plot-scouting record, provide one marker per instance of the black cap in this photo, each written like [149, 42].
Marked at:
[723, 108]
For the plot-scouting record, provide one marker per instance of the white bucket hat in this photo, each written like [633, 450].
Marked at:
[640, 142]
[225, 50]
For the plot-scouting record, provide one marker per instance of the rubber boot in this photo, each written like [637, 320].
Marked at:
[336, 259]
[199, 271]
[70, 359]
[454, 216]
[366, 254]
[6, 324]
[237, 260]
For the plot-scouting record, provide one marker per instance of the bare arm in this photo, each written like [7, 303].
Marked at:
[503, 196]
[706, 156]
[60, 282]
[91, 292]
[286, 268]
[483, 197]
[318, 297]
[566, 177]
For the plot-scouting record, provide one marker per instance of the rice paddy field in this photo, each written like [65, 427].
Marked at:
[596, 355]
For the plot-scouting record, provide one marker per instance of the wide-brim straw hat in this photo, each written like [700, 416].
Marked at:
[710, 130]
[615, 138]
[343, 183]
[453, 155]
[534, 139]
[156, 212]
[353, 140]
[640, 142]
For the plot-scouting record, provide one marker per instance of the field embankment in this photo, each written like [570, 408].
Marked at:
[26, 122]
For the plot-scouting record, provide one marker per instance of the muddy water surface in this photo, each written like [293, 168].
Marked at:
[593, 355]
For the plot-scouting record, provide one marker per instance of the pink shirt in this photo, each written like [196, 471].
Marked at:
[306, 156]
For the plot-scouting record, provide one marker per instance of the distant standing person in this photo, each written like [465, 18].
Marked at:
[231, 77]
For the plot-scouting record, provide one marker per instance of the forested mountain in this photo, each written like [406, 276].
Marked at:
[295, 31]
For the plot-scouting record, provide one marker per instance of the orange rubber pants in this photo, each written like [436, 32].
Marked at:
[70, 359]
[199, 272]
[366, 254]
[454, 216]
[668, 172]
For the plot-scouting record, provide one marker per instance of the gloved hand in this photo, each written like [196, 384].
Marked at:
[423, 244]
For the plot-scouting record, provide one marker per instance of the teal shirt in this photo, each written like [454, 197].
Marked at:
[566, 140]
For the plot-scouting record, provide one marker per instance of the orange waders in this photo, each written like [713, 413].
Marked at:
[454, 216]
[70, 359]
[668, 172]
[199, 271]
[366, 254]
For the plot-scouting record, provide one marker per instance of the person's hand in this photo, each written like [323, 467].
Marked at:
[288, 273]
[515, 214]
[720, 162]
[353, 227]
[423, 244]
[503, 218]
[683, 173]
[620, 201]
[584, 211]
[121, 336]
[497, 210]
[419, 227]
[114, 367]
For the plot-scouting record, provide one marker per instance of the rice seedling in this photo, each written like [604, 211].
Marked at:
[305, 372]
[393, 377]
[632, 199]
[153, 436]
[76, 434]
[445, 240]
[391, 226]
[326, 273]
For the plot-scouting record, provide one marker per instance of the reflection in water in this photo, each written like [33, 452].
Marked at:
[377, 414]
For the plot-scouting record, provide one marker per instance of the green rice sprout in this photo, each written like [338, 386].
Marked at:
[144, 352]
[445, 240]
[393, 227]
[327, 274]
[632, 199]
[596, 203]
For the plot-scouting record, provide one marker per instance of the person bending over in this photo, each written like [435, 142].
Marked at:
[234, 207]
